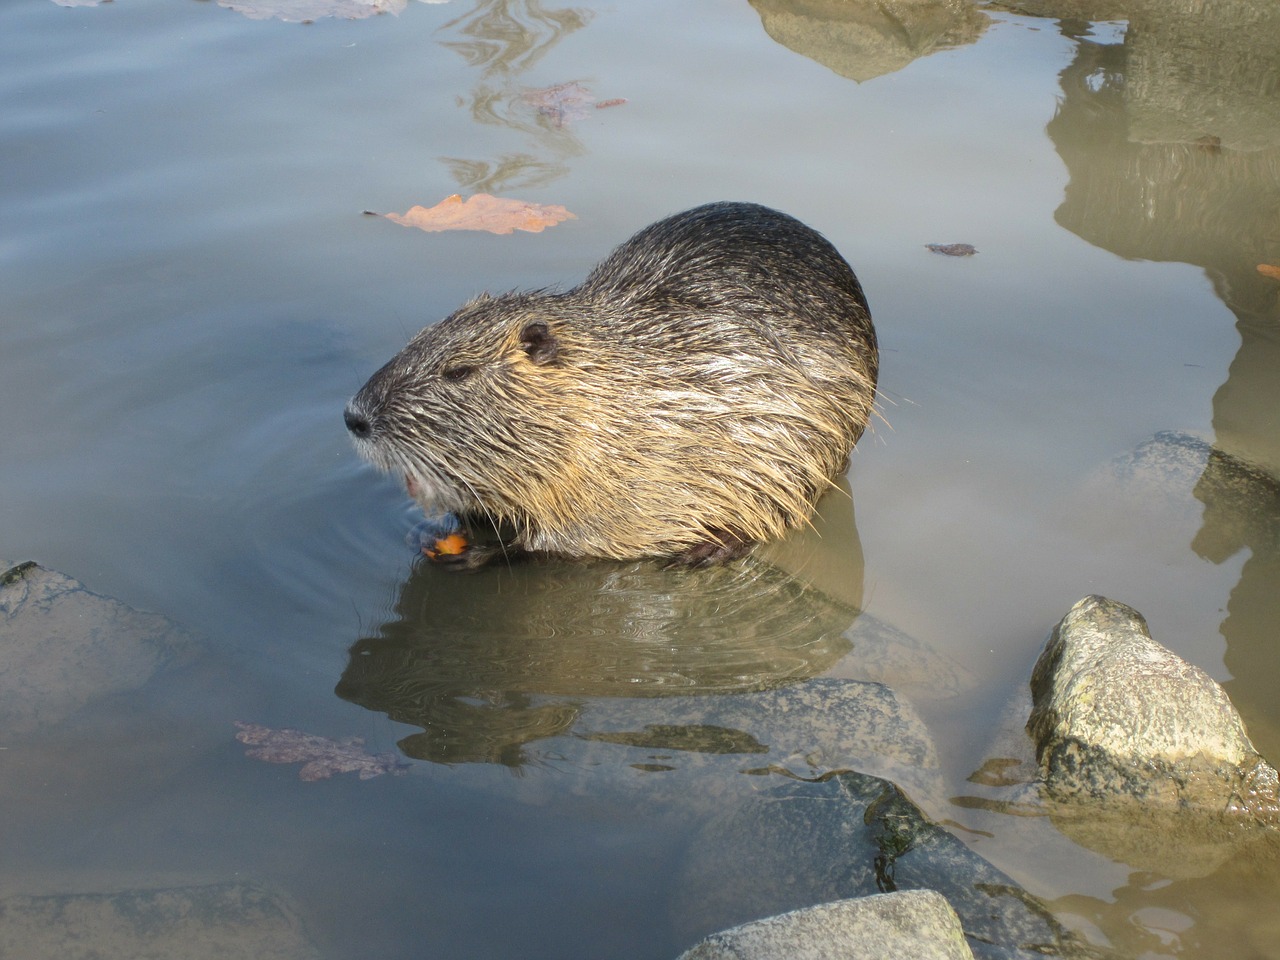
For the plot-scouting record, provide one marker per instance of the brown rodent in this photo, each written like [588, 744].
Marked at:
[695, 395]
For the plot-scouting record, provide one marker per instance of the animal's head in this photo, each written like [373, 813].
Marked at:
[461, 412]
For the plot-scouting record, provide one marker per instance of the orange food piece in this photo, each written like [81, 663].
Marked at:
[451, 546]
[1269, 270]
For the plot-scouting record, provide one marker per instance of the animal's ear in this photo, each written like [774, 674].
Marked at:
[539, 343]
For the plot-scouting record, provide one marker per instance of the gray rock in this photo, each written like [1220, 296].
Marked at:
[1161, 472]
[884, 654]
[850, 835]
[1118, 717]
[695, 751]
[916, 923]
[1178, 477]
[62, 646]
[226, 921]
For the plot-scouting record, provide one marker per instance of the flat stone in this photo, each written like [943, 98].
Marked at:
[226, 921]
[847, 835]
[63, 646]
[700, 750]
[915, 923]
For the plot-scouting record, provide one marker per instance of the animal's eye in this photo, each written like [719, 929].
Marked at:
[459, 371]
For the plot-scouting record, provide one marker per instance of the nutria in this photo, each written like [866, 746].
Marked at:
[692, 397]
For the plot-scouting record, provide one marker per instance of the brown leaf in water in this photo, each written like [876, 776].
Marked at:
[320, 756]
[560, 103]
[304, 11]
[483, 212]
[1269, 270]
[564, 102]
[952, 249]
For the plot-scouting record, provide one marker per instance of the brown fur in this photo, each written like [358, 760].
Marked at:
[695, 395]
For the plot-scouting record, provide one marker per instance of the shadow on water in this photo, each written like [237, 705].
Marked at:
[488, 663]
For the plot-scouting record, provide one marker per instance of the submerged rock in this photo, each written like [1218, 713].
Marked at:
[1175, 474]
[693, 752]
[221, 921]
[915, 923]
[62, 646]
[851, 835]
[1119, 718]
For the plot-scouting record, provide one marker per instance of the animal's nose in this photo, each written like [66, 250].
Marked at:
[357, 423]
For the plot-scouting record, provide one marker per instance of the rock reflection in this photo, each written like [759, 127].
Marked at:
[1242, 510]
[486, 664]
[1173, 151]
[1227, 912]
[864, 40]
[1150, 182]
[503, 39]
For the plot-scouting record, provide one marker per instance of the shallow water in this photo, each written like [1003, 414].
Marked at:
[189, 292]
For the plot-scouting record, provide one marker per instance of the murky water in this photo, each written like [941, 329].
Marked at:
[189, 292]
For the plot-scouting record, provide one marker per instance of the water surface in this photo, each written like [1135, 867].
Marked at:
[190, 292]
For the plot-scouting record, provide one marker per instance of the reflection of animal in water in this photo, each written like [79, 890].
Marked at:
[485, 666]
[695, 395]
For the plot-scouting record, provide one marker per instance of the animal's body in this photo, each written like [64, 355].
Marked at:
[694, 395]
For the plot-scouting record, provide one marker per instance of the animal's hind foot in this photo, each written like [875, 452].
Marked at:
[722, 547]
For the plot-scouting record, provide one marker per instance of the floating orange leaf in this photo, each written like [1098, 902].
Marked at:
[1269, 270]
[483, 212]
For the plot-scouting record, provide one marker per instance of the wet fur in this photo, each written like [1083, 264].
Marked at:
[695, 394]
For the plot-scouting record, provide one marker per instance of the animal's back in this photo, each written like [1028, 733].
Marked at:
[737, 255]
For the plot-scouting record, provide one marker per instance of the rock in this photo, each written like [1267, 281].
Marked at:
[1178, 476]
[884, 654]
[225, 921]
[1117, 717]
[1159, 474]
[694, 752]
[62, 646]
[916, 923]
[851, 835]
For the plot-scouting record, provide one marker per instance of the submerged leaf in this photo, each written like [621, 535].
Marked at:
[304, 11]
[952, 249]
[322, 757]
[564, 102]
[483, 212]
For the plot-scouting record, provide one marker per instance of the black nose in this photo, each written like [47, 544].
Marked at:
[357, 423]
